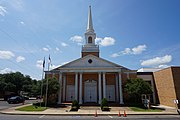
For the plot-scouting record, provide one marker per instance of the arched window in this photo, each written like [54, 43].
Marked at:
[90, 39]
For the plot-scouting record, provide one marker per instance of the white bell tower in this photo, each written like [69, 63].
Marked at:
[90, 47]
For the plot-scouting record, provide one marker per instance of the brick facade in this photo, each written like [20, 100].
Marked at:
[92, 53]
[167, 82]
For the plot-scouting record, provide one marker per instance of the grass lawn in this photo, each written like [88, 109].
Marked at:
[138, 109]
[31, 108]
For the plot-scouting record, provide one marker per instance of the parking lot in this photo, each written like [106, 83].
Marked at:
[4, 104]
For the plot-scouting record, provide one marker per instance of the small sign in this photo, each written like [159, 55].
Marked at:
[176, 101]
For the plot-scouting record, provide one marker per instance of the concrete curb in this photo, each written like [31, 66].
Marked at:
[12, 111]
[84, 114]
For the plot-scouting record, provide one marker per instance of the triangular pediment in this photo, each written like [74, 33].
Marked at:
[90, 61]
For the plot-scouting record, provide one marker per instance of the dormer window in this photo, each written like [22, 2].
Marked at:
[90, 39]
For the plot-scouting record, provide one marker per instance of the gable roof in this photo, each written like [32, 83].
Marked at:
[90, 61]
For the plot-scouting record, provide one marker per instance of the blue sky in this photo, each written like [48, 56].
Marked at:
[132, 33]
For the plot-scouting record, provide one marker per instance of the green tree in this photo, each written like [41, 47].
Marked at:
[36, 88]
[16, 82]
[53, 88]
[136, 87]
[10, 87]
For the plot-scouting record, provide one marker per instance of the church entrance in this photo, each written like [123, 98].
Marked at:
[90, 88]
[70, 93]
[110, 93]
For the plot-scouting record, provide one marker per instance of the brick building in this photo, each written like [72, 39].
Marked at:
[165, 84]
[91, 78]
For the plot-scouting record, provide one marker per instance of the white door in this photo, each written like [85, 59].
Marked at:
[70, 93]
[90, 94]
[110, 92]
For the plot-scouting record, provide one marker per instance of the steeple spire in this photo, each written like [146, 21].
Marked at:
[90, 46]
[90, 24]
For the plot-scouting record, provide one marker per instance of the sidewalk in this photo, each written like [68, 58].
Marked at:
[87, 111]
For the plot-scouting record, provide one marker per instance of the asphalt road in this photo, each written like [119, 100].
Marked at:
[4, 104]
[130, 117]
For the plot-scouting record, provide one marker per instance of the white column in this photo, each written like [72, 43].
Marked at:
[76, 86]
[127, 75]
[80, 89]
[100, 93]
[117, 93]
[120, 90]
[60, 82]
[64, 88]
[104, 85]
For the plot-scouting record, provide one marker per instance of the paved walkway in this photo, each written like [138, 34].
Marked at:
[88, 110]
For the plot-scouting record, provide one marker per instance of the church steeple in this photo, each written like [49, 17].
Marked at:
[90, 23]
[90, 47]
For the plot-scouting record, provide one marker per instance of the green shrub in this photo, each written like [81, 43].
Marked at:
[104, 103]
[105, 108]
[75, 105]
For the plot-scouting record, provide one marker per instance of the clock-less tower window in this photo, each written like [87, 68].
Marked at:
[90, 39]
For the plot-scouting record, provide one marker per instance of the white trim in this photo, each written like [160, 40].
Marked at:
[80, 89]
[120, 89]
[127, 75]
[60, 82]
[117, 93]
[87, 56]
[76, 86]
[104, 85]
[89, 70]
[64, 88]
[100, 92]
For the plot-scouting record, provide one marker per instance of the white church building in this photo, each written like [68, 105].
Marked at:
[91, 78]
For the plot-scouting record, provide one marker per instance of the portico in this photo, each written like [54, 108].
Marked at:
[89, 86]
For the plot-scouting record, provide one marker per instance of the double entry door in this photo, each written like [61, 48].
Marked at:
[90, 91]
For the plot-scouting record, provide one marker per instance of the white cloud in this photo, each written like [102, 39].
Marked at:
[163, 66]
[6, 54]
[115, 55]
[6, 70]
[57, 49]
[78, 39]
[39, 64]
[135, 50]
[139, 49]
[45, 49]
[20, 59]
[107, 41]
[16, 4]
[64, 44]
[126, 51]
[157, 61]
[22, 23]
[2, 11]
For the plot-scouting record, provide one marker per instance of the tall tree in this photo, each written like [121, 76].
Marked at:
[53, 88]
